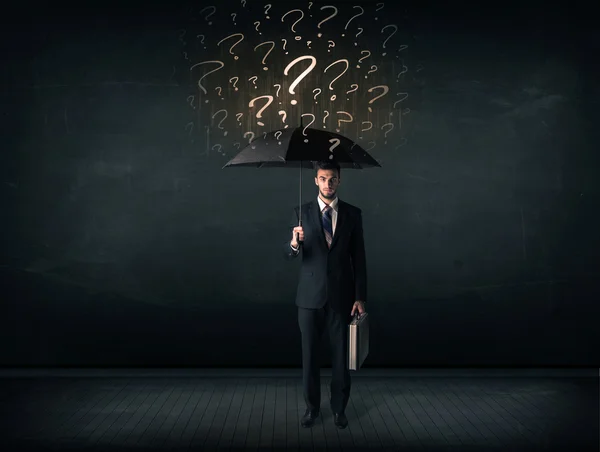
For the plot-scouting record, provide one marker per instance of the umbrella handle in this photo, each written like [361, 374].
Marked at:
[300, 242]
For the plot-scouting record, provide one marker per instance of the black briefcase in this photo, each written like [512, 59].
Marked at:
[358, 340]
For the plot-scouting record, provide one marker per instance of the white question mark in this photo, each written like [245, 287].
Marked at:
[352, 90]
[336, 143]
[405, 95]
[238, 144]
[278, 88]
[343, 120]
[388, 38]
[243, 2]
[220, 89]
[233, 17]
[256, 25]
[202, 40]
[294, 24]
[389, 129]
[361, 30]
[325, 117]
[362, 11]
[234, 83]
[331, 45]
[301, 76]
[284, 114]
[319, 92]
[251, 137]
[191, 101]
[278, 135]
[385, 91]
[373, 69]
[284, 44]
[231, 48]
[335, 11]
[218, 150]
[221, 122]
[366, 56]
[270, 50]
[306, 127]
[380, 8]
[239, 116]
[259, 114]
[254, 78]
[208, 15]
[267, 8]
[209, 72]
[333, 97]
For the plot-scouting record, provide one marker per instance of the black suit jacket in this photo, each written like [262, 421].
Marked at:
[337, 274]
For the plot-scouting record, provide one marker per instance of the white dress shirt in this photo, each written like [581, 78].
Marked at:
[334, 214]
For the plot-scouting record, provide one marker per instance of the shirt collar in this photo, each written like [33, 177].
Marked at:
[334, 204]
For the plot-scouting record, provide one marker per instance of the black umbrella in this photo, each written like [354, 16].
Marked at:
[301, 147]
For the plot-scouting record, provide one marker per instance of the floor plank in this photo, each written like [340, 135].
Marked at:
[263, 413]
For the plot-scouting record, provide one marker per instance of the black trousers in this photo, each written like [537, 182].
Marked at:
[313, 323]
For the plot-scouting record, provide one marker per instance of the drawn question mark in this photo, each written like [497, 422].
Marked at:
[214, 8]
[405, 95]
[251, 136]
[336, 143]
[284, 44]
[235, 81]
[233, 17]
[220, 89]
[352, 90]
[191, 101]
[366, 56]
[343, 120]
[306, 127]
[278, 88]
[278, 135]
[308, 43]
[301, 76]
[284, 116]
[254, 78]
[319, 92]
[221, 121]
[218, 150]
[209, 72]
[243, 2]
[335, 11]
[367, 122]
[385, 91]
[238, 145]
[373, 69]
[267, 8]
[239, 117]
[331, 45]
[325, 117]
[362, 11]
[388, 38]
[256, 25]
[361, 30]
[379, 9]
[387, 131]
[404, 70]
[231, 48]
[294, 24]
[372, 146]
[333, 97]
[270, 50]
[259, 114]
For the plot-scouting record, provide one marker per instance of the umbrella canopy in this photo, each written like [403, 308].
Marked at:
[300, 147]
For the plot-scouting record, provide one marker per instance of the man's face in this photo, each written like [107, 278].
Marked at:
[327, 181]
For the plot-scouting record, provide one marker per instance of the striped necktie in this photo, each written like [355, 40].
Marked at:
[327, 225]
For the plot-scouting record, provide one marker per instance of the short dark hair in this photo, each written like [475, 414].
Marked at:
[328, 165]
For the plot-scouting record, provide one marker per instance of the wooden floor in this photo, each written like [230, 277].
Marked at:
[263, 413]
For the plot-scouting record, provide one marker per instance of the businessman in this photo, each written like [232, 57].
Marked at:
[331, 289]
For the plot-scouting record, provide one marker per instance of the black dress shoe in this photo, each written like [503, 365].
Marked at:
[340, 420]
[309, 418]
